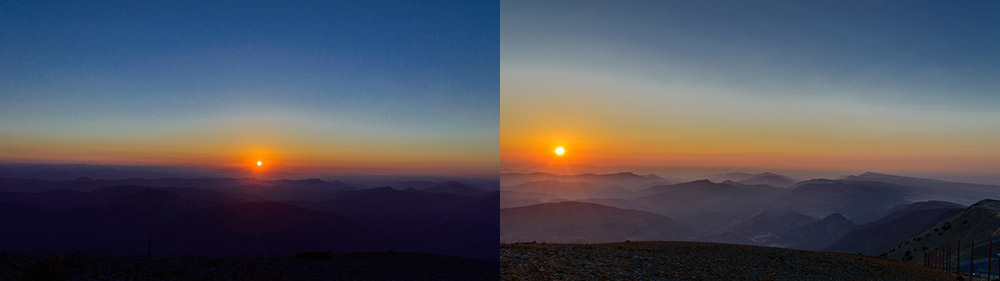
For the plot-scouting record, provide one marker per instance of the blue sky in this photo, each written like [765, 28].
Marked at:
[913, 52]
[894, 86]
[348, 73]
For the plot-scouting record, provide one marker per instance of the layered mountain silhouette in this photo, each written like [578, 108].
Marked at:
[733, 176]
[861, 201]
[625, 179]
[817, 235]
[869, 213]
[452, 187]
[771, 179]
[575, 222]
[571, 189]
[764, 228]
[931, 189]
[510, 199]
[767, 178]
[899, 224]
[704, 204]
[242, 217]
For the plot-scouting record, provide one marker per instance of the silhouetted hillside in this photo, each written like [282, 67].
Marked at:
[861, 201]
[900, 224]
[454, 187]
[725, 211]
[733, 176]
[58, 172]
[586, 223]
[771, 179]
[764, 228]
[977, 222]
[706, 205]
[408, 218]
[238, 219]
[817, 235]
[931, 189]
[510, 199]
[266, 229]
[625, 179]
[571, 190]
[465, 233]
[704, 195]
[88, 184]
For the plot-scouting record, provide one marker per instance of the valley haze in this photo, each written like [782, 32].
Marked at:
[868, 213]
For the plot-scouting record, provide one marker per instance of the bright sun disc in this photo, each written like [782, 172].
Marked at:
[560, 150]
[259, 163]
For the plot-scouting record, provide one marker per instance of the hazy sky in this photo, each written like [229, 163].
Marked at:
[892, 86]
[358, 86]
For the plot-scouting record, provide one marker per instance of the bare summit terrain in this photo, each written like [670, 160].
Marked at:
[695, 261]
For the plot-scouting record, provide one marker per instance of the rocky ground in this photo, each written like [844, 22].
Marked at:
[695, 261]
[360, 266]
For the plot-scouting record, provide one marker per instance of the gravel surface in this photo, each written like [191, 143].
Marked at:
[360, 266]
[695, 261]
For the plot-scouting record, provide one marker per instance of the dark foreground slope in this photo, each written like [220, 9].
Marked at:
[278, 219]
[694, 261]
[901, 223]
[357, 266]
[976, 223]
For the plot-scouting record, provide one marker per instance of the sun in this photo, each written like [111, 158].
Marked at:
[560, 150]
[259, 163]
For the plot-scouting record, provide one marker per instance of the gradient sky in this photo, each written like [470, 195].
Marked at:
[340, 86]
[893, 86]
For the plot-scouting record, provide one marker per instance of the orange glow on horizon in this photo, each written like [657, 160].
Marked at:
[285, 158]
[613, 132]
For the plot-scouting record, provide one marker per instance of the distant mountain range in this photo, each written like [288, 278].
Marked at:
[72, 171]
[860, 201]
[239, 217]
[88, 184]
[766, 178]
[764, 228]
[509, 199]
[868, 213]
[817, 235]
[452, 187]
[62, 172]
[931, 189]
[571, 190]
[771, 179]
[574, 222]
[624, 179]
